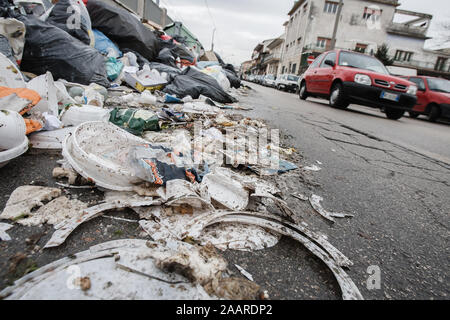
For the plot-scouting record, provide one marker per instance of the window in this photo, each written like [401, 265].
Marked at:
[360, 47]
[403, 55]
[419, 82]
[331, 56]
[305, 7]
[361, 61]
[440, 64]
[330, 7]
[294, 68]
[370, 13]
[439, 85]
[282, 69]
[323, 42]
[316, 61]
[298, 41]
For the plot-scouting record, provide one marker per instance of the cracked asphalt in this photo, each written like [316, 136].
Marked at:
[393, 176]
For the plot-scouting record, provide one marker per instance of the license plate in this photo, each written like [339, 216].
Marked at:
[390, 96]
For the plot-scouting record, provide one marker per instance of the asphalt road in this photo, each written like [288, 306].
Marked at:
[393, 176]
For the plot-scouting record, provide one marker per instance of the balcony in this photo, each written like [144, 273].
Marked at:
[272, 58]
[407, 30]
[313, 47]
[421, 65]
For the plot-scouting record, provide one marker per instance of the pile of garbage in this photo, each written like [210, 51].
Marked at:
[136, 116]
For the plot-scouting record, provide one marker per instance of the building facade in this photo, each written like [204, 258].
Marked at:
[363, 26]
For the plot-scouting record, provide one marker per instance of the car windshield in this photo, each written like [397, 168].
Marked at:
[292, 78]
[269, 77]
[360, 61]
[439, 85]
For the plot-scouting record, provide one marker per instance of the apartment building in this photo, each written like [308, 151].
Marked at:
[363, 26]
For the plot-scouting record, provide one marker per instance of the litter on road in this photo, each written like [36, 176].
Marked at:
[136, 117]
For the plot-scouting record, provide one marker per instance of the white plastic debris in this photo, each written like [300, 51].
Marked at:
[317, 206]
[54, 212]
[10, 75]
[65, 228]
[3, 228]
[12, 129]
[44, 85]
[98, 152]
[312, 168]
[49, 139]
[75, 115]
[25, 198]
[244, 272]
[226, 191]
[122, 270]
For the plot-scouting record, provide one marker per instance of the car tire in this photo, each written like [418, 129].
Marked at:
[434, 113]
[394, 114]
[413, 114]
[337, 98]
[303, 94]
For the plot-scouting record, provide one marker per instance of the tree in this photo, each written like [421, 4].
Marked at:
[382, 55]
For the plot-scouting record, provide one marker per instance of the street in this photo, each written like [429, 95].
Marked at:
[392, 175]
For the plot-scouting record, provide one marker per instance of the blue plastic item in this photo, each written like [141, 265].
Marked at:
[102, 43]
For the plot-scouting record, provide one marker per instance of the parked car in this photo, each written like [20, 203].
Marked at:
[346, 77]
[433, 97]
[269, 80]
[287, 82]
[251, 78]
[259, 79]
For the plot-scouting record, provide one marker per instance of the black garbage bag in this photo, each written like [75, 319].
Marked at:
[123, 28]
[6, 49]
[194, 83]
[60, 16]
[165, 56]
[234, 80]
[221, 62]
[229, 67]
[48, 48]
[177, 50]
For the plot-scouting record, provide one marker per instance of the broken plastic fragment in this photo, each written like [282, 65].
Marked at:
[244, 273]
[25, 198]
[315, 203]
[3, 228]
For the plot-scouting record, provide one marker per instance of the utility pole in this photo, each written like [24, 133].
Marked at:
[212, 41]
[336, 24]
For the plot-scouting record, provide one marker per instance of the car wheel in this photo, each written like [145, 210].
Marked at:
[394, 114]
[434, 113]
[337, 99]
[303, 92]
[413, 114]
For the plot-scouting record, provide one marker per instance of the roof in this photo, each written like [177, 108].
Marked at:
[295, 7]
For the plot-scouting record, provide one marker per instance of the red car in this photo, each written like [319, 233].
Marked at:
[433, 97]
[346, 77]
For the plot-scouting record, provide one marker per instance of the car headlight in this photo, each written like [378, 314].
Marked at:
[412, 90]
[363, 79]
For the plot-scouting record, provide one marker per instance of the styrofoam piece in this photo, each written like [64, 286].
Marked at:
[10, 75]
[49, 139]
[7, 155]
[12, 129]
[98, 151]
[74, 115]
[225, 190]
[44, 85]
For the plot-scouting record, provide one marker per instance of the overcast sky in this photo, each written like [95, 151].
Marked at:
[241, 24]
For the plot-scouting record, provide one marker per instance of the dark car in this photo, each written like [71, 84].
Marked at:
[346, 77]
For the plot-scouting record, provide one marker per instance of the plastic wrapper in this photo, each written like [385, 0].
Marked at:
[48, 48]
[105, 45]
[135, 121]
